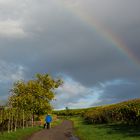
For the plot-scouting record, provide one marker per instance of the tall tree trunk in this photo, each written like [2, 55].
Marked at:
[20, 124]
[9, 121]
[2, 120]
[16, 124]
[33, 119]
[26, 123]
[16, 116]
[23, 119]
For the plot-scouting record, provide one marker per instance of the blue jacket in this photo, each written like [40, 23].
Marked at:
[48, 119]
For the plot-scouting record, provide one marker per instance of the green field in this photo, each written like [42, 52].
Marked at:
[105, 131]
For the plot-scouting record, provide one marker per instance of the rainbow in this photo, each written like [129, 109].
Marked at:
[105, 33]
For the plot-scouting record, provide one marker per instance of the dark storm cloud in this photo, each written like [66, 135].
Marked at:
[117, 93]
[48, 36]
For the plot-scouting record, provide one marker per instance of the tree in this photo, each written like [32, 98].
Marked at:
[34, 95]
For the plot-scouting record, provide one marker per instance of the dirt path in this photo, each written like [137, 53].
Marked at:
[60, 132]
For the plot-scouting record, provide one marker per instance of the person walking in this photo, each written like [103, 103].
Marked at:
[48, 120]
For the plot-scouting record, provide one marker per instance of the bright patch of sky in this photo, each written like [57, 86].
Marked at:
[75, 95]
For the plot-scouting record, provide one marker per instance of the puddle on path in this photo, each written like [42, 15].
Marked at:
[73, 138]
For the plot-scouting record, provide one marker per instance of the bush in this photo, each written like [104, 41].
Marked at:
[125, 112]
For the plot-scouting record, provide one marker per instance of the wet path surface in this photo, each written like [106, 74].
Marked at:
[60, 132]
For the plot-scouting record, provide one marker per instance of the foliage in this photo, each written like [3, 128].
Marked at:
[34, 95]
[28, 100]
[125, 112]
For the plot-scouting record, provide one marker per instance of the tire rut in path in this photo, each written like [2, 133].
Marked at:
[60, 132]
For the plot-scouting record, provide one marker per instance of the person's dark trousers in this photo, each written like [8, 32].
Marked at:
[48, 125]
[44, 125]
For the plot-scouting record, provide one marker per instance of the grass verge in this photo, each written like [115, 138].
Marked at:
[20, 134]
[105, 131]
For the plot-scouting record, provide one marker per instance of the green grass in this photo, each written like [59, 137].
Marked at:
[105, 131]
[20, 134]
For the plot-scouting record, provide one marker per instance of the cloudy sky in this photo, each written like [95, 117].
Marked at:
[93, 45]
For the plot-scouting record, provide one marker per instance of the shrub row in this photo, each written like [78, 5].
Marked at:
[125, 112]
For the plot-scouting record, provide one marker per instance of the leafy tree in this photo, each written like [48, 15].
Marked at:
[34, 95]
